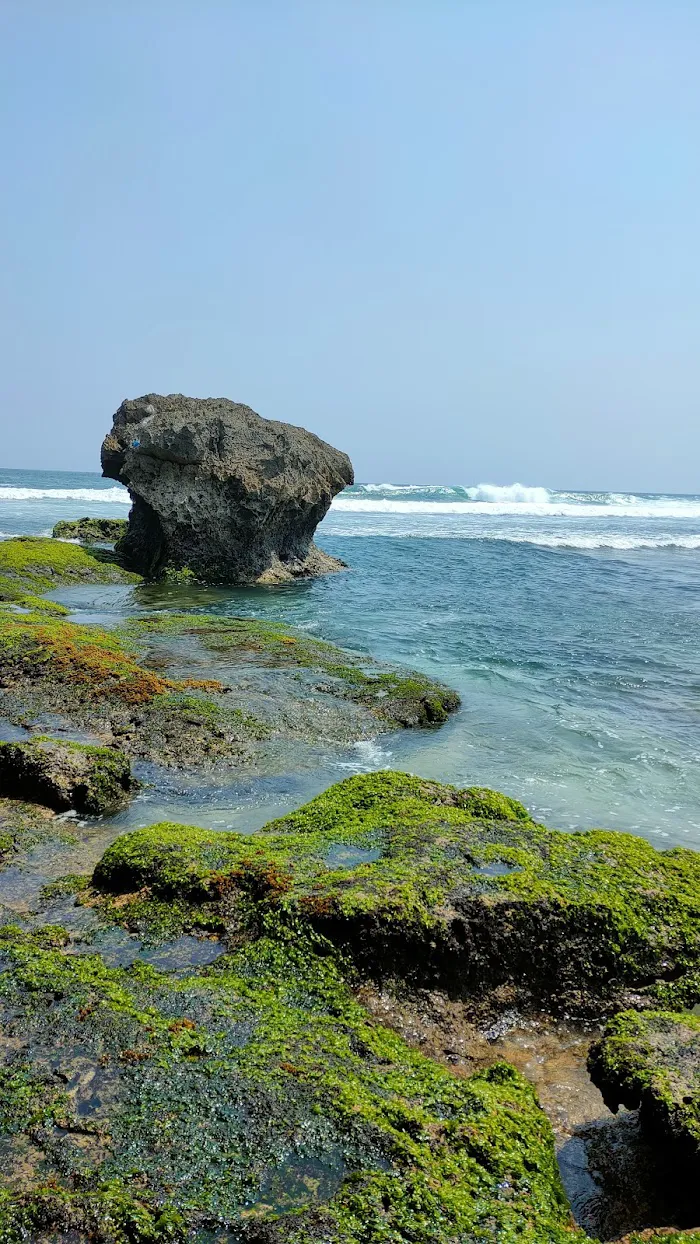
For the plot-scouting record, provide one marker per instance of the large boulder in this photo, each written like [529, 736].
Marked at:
[220, 492]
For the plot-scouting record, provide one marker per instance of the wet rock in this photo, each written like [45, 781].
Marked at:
[663, 1235]
[578, 921]
[32, 565]
[22, 825]
[254, 1096]
[91, 530]
[651, 1061]
[65, 775]
[219, 493]
[255, 681]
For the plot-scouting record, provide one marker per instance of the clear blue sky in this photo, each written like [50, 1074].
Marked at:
[458, 238]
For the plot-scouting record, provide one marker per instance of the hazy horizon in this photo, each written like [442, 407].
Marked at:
[457, 241]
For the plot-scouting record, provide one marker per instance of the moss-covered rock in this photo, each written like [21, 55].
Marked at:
[256, 1095]
[40, 564]
[31, 565]
[393, 697]
[23, 825]
[651, 1061]
[91, 530]
[457, 889]
[85, 673]
[66, 775]
[131, 686]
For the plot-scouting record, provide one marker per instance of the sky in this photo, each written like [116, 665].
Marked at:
[459, 239]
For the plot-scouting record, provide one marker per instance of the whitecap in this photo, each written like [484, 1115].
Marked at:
[109, 496]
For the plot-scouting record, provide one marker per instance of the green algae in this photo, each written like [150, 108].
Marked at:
[32, 565]
[574, 919]
[86, 672]
[396, 697]
[651, 1061]
[65, 774]
[24, 825]
[91, 530]
[201, 710]
[258, 1091]
[63, 887]
[41, 564]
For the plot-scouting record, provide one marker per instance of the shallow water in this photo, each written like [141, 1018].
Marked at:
[580, 674]
[571, 628]
[569, 622]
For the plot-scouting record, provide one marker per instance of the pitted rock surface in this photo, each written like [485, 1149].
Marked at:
[219, 491]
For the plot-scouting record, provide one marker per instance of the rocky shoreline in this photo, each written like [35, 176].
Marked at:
[337, 1067]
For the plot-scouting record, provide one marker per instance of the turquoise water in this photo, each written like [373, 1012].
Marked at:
[569, 622]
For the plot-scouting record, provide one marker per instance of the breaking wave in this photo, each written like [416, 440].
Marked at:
[92, 496]
[616, 507]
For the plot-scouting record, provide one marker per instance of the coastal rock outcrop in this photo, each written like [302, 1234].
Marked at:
[455, 890]
[220, 493]
[650, 1061]
[66, 775]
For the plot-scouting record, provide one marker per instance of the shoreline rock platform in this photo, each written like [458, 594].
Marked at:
[257, 1098]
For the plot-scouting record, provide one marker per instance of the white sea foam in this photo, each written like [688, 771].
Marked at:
[543, 539]
[438, 489]
[509, 494]
[667, 508]
[572, 541]
[107, 496]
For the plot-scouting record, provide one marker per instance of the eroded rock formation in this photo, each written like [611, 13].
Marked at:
[219, 492]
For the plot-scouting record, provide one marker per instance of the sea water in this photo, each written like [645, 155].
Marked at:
[569, 623]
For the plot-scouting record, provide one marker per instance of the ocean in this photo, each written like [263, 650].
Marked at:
[568, 621]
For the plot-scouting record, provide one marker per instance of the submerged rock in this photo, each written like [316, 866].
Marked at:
[91, 530]
[458, 890]
[130, 687]
[66, 775]
[650, 1061]
[220, 493]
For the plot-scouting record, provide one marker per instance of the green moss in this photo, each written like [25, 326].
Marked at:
[467, 892]
[23, 825]
[13, 597]
[109, 1215]
[181, 575]
[201, 710]
[40, 564]
[89, 662]
[28, 1099]
[91, 530]
[259, 1087]
[63, 775]
[62, 887]
[651, 1061]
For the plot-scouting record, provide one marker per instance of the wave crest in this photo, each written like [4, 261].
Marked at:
[105, 496]
[512, 494]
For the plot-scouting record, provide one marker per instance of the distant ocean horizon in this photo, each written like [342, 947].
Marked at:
[568, 621]
[512, 512]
